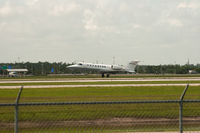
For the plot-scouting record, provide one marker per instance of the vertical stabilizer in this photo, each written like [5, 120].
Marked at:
[132, 65]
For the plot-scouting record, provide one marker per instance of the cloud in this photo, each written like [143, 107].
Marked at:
[11, 9]
[136, 26]
[124, 7]
[5, 9]
[64, 8]
[76, 26]
[89, 20]
[31, 2]
[2, 25]
[175, 22]
[190, 5]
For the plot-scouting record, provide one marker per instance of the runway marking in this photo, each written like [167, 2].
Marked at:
[98, 80]
[106, 85]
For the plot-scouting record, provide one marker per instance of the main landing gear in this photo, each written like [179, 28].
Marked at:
[107, 75]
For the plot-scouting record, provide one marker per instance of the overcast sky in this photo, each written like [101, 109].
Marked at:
[153, 31]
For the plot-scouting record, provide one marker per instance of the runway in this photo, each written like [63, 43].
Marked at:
[100, 80]
[105, 85]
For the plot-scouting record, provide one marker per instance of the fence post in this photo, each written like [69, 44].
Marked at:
[181, 109]
[16, 110]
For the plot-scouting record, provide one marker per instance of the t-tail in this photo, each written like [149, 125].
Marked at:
[131, 66]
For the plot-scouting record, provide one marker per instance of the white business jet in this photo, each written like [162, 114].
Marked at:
[105, 68]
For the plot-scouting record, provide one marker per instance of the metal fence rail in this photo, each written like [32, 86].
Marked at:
[101, 117]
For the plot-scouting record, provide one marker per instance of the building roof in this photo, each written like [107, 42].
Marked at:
[17, 70]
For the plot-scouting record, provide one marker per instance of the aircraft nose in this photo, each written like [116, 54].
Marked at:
[72, 66]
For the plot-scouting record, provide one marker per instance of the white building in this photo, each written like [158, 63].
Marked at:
[16, 72]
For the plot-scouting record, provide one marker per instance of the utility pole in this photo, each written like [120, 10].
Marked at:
[18, 62]
[42, 69]
[188, 62]
[175, 67]
[113, 60]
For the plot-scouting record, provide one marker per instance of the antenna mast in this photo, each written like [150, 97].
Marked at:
[113, 60]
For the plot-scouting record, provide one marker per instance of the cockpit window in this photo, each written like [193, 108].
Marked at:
[80, 64]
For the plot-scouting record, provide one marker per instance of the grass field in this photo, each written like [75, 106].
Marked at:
[98, 94]
[102, 118]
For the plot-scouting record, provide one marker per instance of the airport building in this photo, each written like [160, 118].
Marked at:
[16, 72]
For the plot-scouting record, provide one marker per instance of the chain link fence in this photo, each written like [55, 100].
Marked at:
[101, 117]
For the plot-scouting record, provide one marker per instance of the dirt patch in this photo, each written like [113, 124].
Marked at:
[114, 122]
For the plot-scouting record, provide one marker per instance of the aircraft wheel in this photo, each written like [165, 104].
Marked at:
[108, 75]
[102, 75]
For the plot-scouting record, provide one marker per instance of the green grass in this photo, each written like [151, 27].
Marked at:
[93, 93]
[46, 114]
[98, 94]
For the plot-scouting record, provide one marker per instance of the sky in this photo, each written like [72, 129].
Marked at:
[151, 31]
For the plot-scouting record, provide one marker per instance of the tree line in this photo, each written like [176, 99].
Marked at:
[39, 68]
[45, 68]
[168, 69]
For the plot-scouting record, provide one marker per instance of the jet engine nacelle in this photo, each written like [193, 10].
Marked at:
[115, 67]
